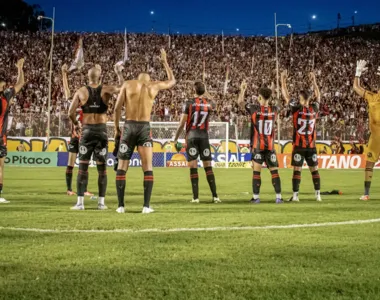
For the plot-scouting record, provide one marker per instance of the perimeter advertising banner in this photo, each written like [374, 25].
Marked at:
[326, 161]
[32, 159]
[235, 160]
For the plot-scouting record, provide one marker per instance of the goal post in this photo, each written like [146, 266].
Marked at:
[164, 152]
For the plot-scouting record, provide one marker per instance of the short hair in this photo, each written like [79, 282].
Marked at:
[143, 77]
[265, 92]
[200, 88]
[305, 94]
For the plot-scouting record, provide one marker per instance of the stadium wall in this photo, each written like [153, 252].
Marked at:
[38, 144]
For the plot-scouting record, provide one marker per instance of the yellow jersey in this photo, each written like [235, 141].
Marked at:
[373, 111]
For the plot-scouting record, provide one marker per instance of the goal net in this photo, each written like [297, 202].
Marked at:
[164, 152]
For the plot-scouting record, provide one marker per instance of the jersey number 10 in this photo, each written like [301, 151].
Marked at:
[203, 115]
[266, 127]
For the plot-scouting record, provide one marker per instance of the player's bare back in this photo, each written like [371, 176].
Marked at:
[139, 97]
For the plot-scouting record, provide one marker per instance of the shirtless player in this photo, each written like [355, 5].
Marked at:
[74, 140]
[93, 99]
[137, 96]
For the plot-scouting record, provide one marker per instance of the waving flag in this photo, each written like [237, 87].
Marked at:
[78, 62]
[122, 62]
[222, 42]
[226, 81]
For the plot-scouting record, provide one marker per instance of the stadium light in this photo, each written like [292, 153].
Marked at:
[278, 71]
[152, 12]
[237, 29]
[314, 17]
[355, 11]
[51, 67]
[3, 24]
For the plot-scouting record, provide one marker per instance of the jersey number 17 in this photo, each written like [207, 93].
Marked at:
[199, 117]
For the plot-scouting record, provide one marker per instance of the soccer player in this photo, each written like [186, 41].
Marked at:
[137, 97]
[373, 147]
[93, 99]
[6, 96]
[74, 140]
[263, 117]
[195, 115]
[305, 115]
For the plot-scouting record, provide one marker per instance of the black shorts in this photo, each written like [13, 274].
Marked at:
[74, 145]
[198, 147]
[135, 134]
[267, 156]
[3, 146]
[299, 155]
[93, 140]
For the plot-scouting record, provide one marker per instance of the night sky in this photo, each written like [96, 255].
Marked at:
[208, 16]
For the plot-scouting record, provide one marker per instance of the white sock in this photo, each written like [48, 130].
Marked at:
[255, 197]
[278, 196]
[80, 201]
[295, 194]
[317, 193]
[101, 200]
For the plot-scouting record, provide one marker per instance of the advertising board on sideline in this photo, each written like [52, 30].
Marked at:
[31, 159]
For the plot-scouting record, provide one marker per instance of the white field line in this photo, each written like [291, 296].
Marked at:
[152, 230]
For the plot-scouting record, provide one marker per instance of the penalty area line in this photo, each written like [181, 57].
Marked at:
[168, 230]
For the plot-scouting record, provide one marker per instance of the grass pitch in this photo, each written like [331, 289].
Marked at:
[335, 262]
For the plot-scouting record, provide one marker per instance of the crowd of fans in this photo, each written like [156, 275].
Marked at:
[332, 55]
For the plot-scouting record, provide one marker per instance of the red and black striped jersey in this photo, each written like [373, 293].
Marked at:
[5, 98]
[263, 120]
[198, 113]
[304, 121]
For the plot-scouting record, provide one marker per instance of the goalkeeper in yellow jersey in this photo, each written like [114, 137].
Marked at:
[373, 147]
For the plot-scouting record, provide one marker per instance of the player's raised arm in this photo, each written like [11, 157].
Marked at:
[73, 108]
[165, 85]
[20, 78]
[121, 99]
[66, 89]
[115, 89]
[284, 87]
[360, 69]
[181, 126]
[243, 89]
[317, 92]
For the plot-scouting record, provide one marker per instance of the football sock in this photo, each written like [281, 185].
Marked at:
[80, 201]
[316, 180]
[148, 187]
[194, 182]
[211, 181]
[276, 182]
[256, 183]
[296, 181]
[120, 186]
[102, 180]
[368, 180]
[69, 177]
[82, 179]
[1, 188]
